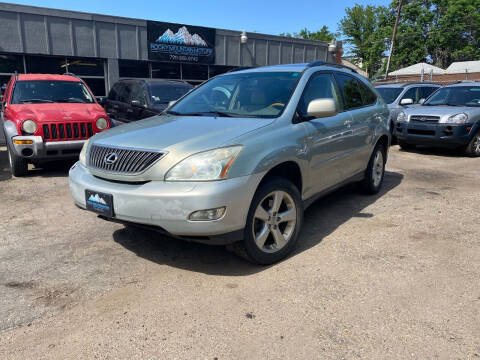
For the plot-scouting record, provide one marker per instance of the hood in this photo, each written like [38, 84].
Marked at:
[57, 112]
[179, 134]
[442, 110]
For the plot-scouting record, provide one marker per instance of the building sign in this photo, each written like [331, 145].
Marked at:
[180, 43]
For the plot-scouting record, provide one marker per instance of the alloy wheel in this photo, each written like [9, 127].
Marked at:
[377, 169]
[476, 145]
[274, 221]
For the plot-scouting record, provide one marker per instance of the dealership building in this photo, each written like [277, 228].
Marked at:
[102, 49]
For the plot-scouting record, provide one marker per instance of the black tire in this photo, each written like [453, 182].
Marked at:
[473, 147]
[268, 253]
[373, 180]
[18, 165]
[404, 145]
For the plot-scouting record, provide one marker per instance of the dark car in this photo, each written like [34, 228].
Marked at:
[136, 99]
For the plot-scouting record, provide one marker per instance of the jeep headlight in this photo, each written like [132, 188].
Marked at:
[205, 166]
[83, 153]
[402, 117]
[101, 123]
[461, 118]
[29, 126]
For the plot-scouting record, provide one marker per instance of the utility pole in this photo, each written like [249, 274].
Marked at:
[400, 3]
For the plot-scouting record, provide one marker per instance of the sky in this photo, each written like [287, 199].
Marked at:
[263, 16]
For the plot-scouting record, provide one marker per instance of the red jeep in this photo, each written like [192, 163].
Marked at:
[48, 117]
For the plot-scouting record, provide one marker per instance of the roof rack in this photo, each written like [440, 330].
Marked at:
[69, 73]
[324, 63]
[16, 75]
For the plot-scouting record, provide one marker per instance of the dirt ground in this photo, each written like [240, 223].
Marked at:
[393, 276]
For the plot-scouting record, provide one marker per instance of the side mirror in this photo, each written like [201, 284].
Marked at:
[102, 100]
[421, 101]
[137, 103]
[320, 108]
[406, 102]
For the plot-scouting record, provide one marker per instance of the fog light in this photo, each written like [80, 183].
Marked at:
[207, 215]
[23, 142]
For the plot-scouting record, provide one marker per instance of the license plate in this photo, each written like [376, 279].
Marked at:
[99, 203]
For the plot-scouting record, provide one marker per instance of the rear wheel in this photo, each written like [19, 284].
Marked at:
[375, 172]
[273, 222]
[473, 147]
[18, 164]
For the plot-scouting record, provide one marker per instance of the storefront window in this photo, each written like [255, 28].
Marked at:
[11, 63]
[194, 72]
[46, 64]
[165, 70]
[133, 69]
[97, 85]
[85, 66]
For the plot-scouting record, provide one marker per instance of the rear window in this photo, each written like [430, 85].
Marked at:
[389, 94]
[47, 91]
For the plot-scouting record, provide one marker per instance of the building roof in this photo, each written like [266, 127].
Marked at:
[51, 77]
[353, 66]
[417, 70]
[461, 67]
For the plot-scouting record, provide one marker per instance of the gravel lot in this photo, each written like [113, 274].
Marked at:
[393, 276]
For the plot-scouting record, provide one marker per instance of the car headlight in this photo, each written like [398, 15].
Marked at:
[83, 153]
[402, 117]
[29, 126]
[461, 118]
[102, 123]
[205, 166]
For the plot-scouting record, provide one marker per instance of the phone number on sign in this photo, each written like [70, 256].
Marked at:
[184, 58]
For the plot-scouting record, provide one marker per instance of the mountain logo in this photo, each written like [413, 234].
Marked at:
[181, 37]
[97, 199]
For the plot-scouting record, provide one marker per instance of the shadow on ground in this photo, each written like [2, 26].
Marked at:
[321, 219]
[425, 150]
[51, 169]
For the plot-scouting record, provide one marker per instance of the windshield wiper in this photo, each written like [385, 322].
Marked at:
[36, 100]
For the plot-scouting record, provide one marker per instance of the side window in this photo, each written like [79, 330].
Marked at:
[425, 92]
[368, 96]
[320, 86]
[114, 92]
[411, 93]
[137, 94]
[124, 92]
[351, 91]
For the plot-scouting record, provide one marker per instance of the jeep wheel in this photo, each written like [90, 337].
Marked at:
[375, 172]
[273, 222]
[473, 147]
[18, 164]
[404, 145]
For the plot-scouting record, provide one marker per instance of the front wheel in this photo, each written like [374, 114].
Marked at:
[273, 222]
[473, 147]
[18, 164]
[375, 172]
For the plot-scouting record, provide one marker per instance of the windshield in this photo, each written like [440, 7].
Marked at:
[456, 96]
[253, 94]
[47, 91]
[163, 93]
[389, 94]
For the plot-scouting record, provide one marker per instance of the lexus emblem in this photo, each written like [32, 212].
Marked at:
[110, 158]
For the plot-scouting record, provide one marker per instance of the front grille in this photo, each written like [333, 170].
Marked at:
[425, 118]
[421, 132]
[127, 161]
[67, 131]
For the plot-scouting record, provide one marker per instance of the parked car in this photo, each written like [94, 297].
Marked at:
[240, 157]
[136, 99]
[449, 118]
[48, 117]
[400, 96]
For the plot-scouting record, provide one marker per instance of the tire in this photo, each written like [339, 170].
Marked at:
[404, 145]
[279, 237]
[375, 172]
[473, 147]
[18, 164]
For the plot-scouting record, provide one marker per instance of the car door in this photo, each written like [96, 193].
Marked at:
[326, 145]
[137, 107]
[360, 103]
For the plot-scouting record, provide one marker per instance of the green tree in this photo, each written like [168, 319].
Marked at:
[323, 34]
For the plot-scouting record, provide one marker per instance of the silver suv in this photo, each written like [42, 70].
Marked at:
[238, 159]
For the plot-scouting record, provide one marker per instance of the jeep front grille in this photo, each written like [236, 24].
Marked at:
[67, 131]
[425, 118]
[122, 161]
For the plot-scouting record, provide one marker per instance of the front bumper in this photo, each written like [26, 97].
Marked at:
[40, 150]
[167, 205]
[436, 134]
